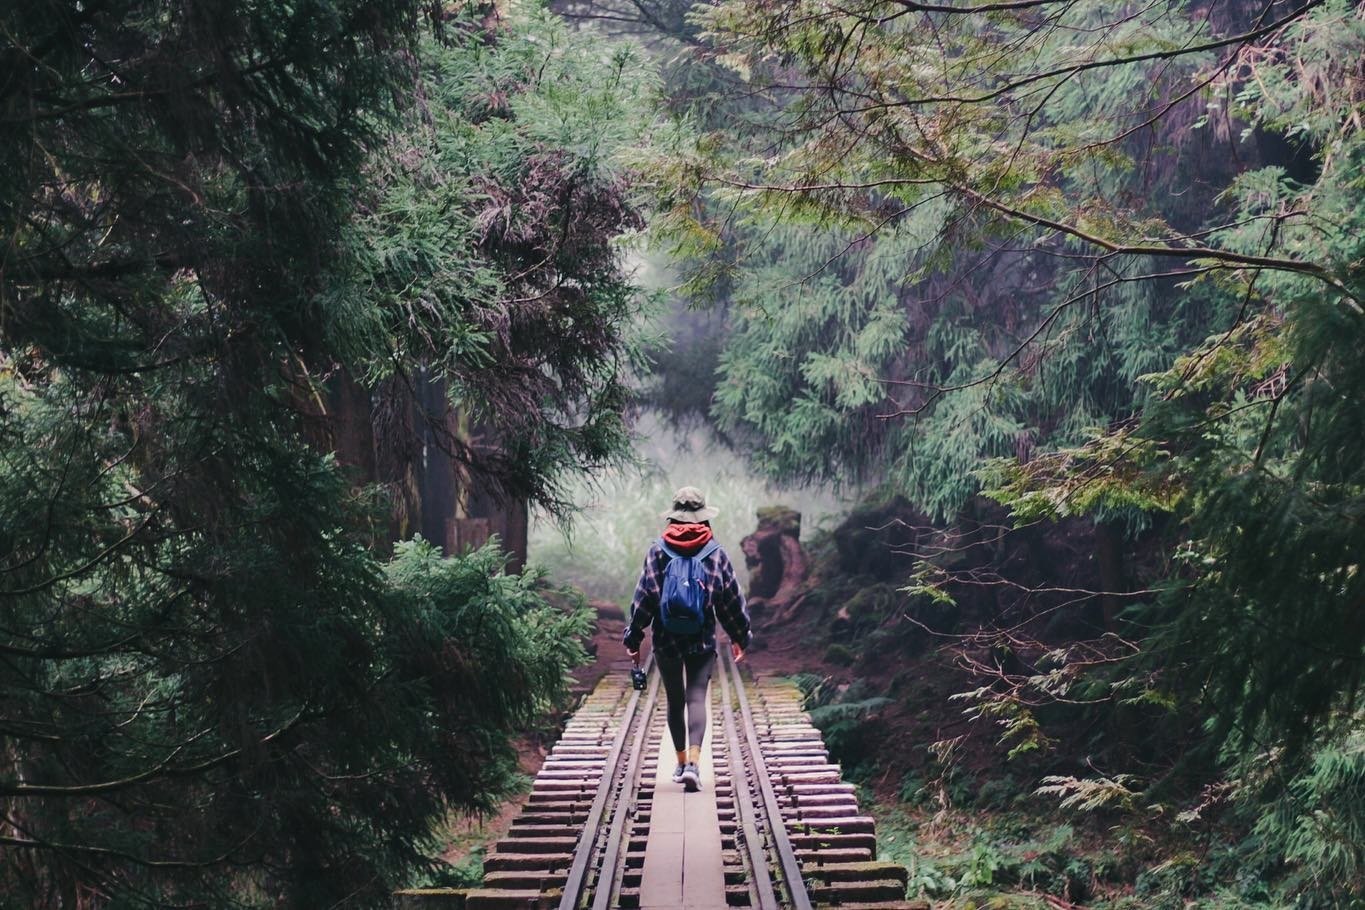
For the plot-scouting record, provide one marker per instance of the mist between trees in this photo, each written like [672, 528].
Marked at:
[601, 550]
[1077, 288]
[1030, 273]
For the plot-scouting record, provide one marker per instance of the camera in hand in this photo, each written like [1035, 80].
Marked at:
[637, 678]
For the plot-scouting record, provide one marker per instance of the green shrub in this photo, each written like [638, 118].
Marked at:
[1317, 825]
[467, 873]
[841, 655]
[1170, 883]
[913, 790]
[998, 793]
[928, 880]
[986, 864]
[852, 734]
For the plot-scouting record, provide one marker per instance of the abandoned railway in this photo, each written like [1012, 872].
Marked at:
[774, 825]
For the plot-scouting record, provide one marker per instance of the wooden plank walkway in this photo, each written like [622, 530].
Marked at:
[683, 868]
[657, 847]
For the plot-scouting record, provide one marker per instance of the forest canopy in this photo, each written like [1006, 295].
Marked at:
[1086, 262]
[1029, 270]
[221, 685]
[1119, 249]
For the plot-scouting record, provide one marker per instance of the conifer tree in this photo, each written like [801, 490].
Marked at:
[1132, 291]
[213, 689]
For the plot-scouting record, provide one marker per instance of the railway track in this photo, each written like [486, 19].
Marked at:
[791, 833]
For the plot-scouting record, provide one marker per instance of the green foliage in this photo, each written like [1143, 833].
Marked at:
[184, 678]
[523, 644]
[1019, 725]
[912, 789]
[681, 381]
[801, 366]
[847, 336]
[964, 864]
[997, 793]
[486, 252]
[467, 873]
[1113, 474]
[1252, 439]
[215, 692]
[838, 715]
[841, 655]
[847, 718]
[1317, 825]
[1146, 343]
[1089, 794]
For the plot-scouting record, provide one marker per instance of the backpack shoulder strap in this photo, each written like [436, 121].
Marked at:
[672, 554]
[707, 550]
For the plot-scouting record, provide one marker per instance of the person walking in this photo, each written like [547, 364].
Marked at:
[688, 584]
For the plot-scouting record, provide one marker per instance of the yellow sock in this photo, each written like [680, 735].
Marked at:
[694, 754]
[682, 756]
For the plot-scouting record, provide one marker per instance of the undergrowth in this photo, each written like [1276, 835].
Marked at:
[1085, 809]
[998, 836]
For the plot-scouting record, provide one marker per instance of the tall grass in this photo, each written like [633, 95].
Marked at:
[602, 550]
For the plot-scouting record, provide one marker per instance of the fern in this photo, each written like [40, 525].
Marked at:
[1091, 794]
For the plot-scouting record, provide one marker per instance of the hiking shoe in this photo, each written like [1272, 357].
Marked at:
[691, 777]
[678, 773]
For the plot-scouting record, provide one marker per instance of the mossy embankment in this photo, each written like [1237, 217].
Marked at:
[956, 790]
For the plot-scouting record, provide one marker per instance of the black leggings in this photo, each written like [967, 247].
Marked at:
[691, 696]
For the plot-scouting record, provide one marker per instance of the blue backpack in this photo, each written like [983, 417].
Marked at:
[682, 603]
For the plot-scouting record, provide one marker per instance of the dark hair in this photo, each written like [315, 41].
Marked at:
[679, 521]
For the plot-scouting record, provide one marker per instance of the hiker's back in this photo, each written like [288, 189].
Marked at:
[685, 590]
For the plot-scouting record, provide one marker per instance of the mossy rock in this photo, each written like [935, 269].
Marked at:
[938, 616]
[783, 519]
[874, 541]
[842, 655]
[874, 602]
[832, 593]
[863, 610]
[815, 600]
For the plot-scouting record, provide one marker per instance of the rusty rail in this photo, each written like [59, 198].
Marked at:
[750, 755]
[792, 835]
[614, 792]
[611, 865]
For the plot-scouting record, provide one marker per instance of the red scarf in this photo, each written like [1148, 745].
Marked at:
[687, 539]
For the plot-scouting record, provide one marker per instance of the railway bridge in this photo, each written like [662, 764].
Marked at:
[774, 825]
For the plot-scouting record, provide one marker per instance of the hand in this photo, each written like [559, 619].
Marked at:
[634, 656]
[736, 652]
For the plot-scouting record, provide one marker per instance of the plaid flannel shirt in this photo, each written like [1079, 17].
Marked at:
[724, 602]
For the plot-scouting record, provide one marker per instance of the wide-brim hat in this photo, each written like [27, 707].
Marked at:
[689, 505]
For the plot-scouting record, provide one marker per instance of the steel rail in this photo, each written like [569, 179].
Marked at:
[790, 866]
[587, 842]
[611, 856]
[753, 844]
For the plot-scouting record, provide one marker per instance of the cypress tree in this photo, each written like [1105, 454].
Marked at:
[215, 689]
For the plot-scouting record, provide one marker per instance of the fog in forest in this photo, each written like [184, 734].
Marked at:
[351, 349]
